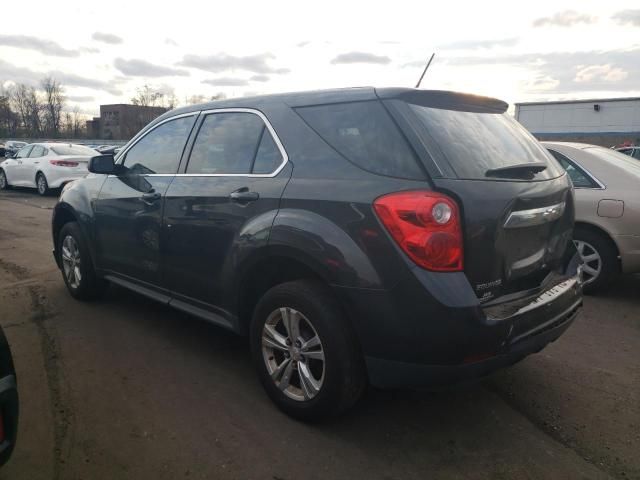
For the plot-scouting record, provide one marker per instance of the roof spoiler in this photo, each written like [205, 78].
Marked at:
[444, 99]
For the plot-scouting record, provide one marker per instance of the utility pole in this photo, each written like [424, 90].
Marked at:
[425, 70]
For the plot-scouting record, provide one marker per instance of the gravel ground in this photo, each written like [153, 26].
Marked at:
[128, 389]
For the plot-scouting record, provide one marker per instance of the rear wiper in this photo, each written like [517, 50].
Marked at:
[520, 170]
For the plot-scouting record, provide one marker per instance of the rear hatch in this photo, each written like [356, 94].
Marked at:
[516, 201]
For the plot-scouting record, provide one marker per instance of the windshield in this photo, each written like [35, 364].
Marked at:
[73, 150]
[475, 143]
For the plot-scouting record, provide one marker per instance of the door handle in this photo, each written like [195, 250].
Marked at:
[243, 195]
[150, 198]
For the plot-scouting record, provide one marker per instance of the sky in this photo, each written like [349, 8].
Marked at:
[102, 52]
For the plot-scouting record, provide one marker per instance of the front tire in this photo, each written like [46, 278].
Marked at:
[4, 183]
[600, 259]
[42, 185]
[77, 268]
[305, 352]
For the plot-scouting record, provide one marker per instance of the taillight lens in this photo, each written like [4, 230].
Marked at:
[426, 225]
[63, 163]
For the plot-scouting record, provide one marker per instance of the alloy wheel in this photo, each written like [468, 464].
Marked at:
[42, 185]
[3, 180]
[71, 261]
[592, 262]
[293, 354]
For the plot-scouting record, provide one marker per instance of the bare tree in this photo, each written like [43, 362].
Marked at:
[54, 103]
[8, 119]
[26, 103]
[147, 96]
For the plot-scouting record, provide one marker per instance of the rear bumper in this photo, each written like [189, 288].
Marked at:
[430, 330]
[56, 180]
[394, 374]
[629, 247]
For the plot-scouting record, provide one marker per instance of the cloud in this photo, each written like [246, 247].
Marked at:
[569, 72]
[46, 47]
[260, 78]
[142, 68]
[106, 38]
[227, 82]
[221, 62]
[605, 73]
[30, 77]
[81, 98]
[627, 17]
[303, 44]
[89, 50]
[479, 44]
[171, 41]
[566, 18]
[360, 57]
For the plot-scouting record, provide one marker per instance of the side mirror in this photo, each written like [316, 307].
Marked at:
[103, 164]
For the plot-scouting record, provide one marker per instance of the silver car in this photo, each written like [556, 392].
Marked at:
[607, 231]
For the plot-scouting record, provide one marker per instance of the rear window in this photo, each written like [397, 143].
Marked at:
[365, 134]
[472, 143]
[73, 150]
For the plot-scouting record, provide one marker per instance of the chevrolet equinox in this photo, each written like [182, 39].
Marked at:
[392, 237]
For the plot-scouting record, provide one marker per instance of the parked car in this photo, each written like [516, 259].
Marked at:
[108, 149]
[11, 147]
[630, 151]
[423, 237]
[9, 408]
[45, 166]
[607, 230]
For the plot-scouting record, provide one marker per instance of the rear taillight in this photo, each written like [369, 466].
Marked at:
[426, 225]
[63, 163]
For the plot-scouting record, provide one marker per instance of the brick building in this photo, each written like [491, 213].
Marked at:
[121, 121]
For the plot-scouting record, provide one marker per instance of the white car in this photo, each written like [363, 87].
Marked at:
[45, 166]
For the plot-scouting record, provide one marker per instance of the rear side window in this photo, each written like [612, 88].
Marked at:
[365, 134]
[579, 178]
[233, 143]
[473, 143]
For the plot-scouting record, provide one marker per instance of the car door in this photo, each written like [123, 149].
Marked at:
[129, 207]
[222, 204]
[31, 164]
[17, 174]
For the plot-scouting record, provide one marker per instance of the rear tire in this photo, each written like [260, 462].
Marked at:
[306, 387]
[76, 265]
[42, 185]
[4, 183]
[600, 258]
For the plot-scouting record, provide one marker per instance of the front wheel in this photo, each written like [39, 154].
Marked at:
[42, 185]
[305, 352]
[76, 265]
[4, 184]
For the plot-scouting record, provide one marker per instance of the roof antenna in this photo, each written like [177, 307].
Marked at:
[425, 70]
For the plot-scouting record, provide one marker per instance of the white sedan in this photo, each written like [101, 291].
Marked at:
[45, 166]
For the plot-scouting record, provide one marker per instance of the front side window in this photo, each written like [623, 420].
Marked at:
[233, 143]
[636, 153]
[24, 152]
[579, 178]
[159, 151]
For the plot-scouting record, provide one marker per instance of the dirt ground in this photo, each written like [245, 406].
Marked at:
[128, 389]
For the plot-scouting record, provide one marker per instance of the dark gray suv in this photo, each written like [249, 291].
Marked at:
[396, 237]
